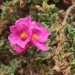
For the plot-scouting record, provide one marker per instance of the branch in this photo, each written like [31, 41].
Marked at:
[61, 38]
[61, 31]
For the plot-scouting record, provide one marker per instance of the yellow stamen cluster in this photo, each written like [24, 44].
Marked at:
[23, 35]
[34, 36]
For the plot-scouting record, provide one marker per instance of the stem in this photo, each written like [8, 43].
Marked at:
[61, 39]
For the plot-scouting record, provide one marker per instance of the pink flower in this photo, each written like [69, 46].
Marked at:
[39, 35]
[20, 33]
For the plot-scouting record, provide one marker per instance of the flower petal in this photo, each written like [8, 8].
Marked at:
[23, 43]
[17, 29]
[18, 49]
[40, 31]
[42, 37]
[35, 24]
[40, 45]
[13, 29]
[12, 39]
[24, 21]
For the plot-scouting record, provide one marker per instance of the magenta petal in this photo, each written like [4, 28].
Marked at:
[40, 45]
[23, 43]
[12, 39]
[28, 19]
[24, 21]
[42, 34]
[34, 25]
[18, 49]
[13, 29]
[42, 37]
[15, 40]
[40, 31]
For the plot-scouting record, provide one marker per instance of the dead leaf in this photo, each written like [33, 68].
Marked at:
[56, 68]
[67, 55]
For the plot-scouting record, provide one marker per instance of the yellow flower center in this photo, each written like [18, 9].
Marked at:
[23, 35]
[34, 36]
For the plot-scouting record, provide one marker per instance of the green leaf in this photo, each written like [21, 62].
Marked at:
[50, 7]
[1, 43]
[73, 62]
[73, 45]
[71, 35]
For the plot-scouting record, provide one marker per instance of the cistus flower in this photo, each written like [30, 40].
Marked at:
[24, 31]
[20, 33]
[39, 36]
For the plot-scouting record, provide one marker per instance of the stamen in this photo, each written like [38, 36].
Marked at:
[34, 36]
[23, 35]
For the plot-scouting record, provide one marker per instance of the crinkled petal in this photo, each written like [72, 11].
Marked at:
[15, 37]
[34, 24]
[40, 45]
[12, 39]
[18, 49]
[41, 35]
[13, 29]
[24, 21]
[23, 43]
[18, 29]
[40, 31]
